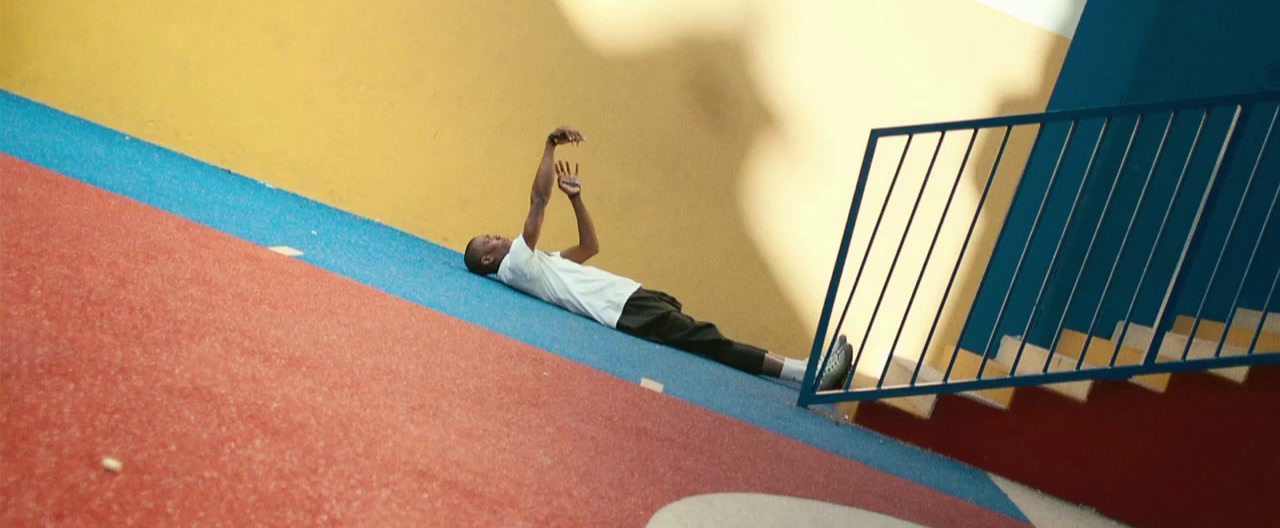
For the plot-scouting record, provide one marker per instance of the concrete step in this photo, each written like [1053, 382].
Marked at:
[966, 367]
[1140, 336]
[1033, 361]
[1249, 319]
[1071, 345]
[1239, 335]
[1100, 352]
[967, 364]
[899, 374]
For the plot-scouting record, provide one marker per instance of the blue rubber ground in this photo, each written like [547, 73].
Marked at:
[433, 276]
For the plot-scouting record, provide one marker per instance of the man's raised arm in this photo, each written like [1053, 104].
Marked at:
[542, 182]
[587, 246]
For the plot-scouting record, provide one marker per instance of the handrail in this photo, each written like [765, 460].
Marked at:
[1068, 200]
[1081, 114]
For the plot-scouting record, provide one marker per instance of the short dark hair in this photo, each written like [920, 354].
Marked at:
[472, 258]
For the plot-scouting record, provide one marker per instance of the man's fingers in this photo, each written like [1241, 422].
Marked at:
[562, 168]
[566, 134]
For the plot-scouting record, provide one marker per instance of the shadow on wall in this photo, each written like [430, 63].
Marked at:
[1003, 186]
[907, 281]
[669, 130]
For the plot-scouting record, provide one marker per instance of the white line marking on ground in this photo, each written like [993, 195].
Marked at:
[650, 384]
[1046, 511]
[286, 251]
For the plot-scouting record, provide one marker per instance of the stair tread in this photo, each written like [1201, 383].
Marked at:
[967, 364]
[965, 368]
[1140, 336]
[1270, 321]
[1100, 350]
[1071, 343]
[920, 405]
[1033, 357]
[1033, 361]
[1238, 336]
[1175, 344]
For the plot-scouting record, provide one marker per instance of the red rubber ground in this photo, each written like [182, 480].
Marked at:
[243, 388]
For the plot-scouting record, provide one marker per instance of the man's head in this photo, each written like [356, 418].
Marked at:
[485, 253]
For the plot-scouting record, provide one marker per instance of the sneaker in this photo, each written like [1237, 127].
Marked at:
[840, 341]
[837, 366]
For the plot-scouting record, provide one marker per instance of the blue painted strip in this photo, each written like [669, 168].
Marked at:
[433, 276]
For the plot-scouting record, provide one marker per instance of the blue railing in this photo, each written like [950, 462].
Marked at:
[1153, 220]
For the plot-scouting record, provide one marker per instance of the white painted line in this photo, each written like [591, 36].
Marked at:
[759, 510]
[650, 384]
[1045, 511]
[286, 251]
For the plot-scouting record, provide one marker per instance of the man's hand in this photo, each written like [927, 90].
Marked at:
[540, 195]
[587, 244]
[563, 135]
[567, 179]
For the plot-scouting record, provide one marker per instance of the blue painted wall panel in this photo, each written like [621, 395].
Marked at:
[1130, 52]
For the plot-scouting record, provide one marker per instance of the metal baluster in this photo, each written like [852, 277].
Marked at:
[1057, 247]
[1076, 283]
[1257, 332]
[906, 231]
[1262, 321]
[816, 358]
[1248, 266]
[1031, 237]
[1124, 241]
[1168, 211]
[1208, 200]
[991, 178]
[1213, 276]
[865, 256]
[994, 251]
[929, 255]
[1106, 208]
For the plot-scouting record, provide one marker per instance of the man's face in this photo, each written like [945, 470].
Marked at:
[495, 246]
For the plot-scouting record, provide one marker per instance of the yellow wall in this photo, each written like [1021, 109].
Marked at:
[724, 136]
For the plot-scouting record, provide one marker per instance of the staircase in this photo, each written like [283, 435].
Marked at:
[1148, 220]
[1111, 270]
[1099, 355]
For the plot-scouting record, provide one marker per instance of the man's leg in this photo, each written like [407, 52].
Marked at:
[657, 317]
[772, 365]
